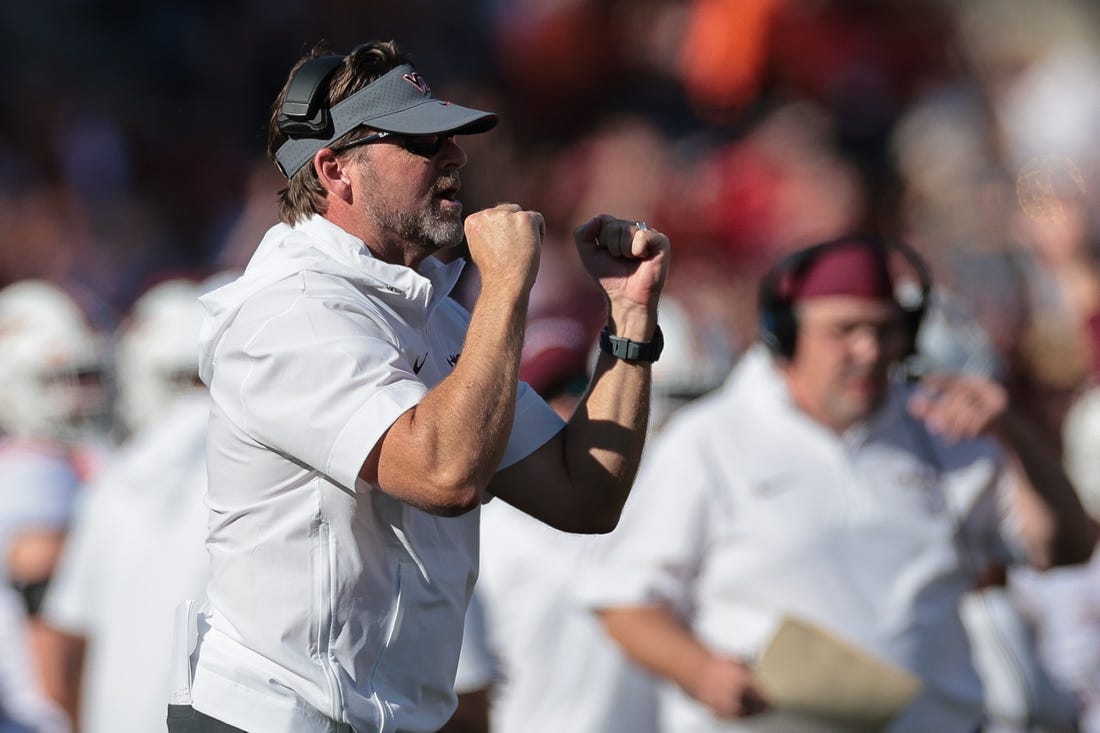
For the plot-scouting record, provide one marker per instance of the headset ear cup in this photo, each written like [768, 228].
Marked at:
[777, 329]
[302, 113]
[912, 322]
[786, 331]
[913, 308]
[766, 331]
[777, 326]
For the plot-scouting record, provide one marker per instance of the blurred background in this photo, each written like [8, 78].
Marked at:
[132, 152]
[132, 144]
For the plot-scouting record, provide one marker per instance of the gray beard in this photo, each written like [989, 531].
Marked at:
[429, 231]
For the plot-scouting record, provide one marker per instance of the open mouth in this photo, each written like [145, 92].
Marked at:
[448, 191]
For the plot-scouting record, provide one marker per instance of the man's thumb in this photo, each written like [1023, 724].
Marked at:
[587, 232]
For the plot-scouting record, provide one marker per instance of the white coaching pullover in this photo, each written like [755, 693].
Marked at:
[330, 601]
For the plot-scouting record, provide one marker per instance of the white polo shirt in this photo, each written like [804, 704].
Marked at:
[329, 599]
[746, 510]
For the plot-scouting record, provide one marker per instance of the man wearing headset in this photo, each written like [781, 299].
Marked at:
[360, 416]
[815, 488]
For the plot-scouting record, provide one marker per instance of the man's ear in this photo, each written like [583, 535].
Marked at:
[332, 172]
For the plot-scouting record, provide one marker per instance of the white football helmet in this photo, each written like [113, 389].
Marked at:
[157, 352]
[52, 371]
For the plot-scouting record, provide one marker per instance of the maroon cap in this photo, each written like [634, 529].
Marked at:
[845, 269]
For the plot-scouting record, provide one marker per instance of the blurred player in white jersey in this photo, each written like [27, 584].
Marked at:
[136, 547]
[53, 404]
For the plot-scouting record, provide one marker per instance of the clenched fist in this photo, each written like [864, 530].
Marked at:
[504, 243]
[630, 262]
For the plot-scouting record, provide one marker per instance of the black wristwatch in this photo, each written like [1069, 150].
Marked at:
[627, 350]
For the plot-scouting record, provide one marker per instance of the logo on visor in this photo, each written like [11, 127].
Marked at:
[417, 81]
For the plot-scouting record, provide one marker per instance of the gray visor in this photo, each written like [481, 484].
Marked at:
[400, 101]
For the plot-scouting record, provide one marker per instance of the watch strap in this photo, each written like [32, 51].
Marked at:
[627, 350]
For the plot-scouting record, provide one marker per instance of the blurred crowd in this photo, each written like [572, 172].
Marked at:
[132, 171]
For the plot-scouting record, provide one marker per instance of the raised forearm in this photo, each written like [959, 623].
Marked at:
[1058, 530]
[1055, 527]
[604, 440]
[579, 481]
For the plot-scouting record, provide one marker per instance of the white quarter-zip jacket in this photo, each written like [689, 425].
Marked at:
[332, 604]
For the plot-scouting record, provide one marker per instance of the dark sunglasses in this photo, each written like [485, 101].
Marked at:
[426, 146]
